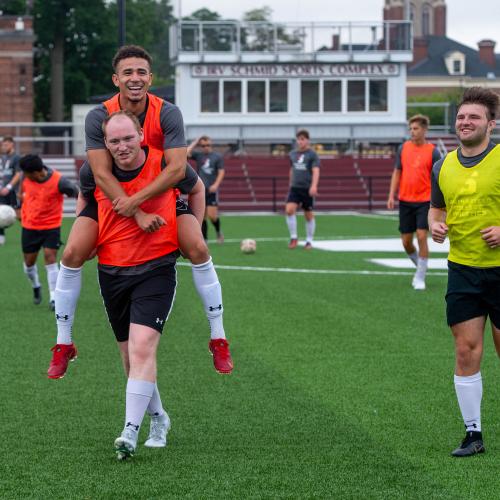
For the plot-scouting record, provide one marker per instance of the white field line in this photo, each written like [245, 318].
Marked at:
[316, 238]
[315, 271]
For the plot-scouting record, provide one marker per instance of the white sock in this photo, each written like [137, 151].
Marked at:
[310, 228]
[469, 394]
[291, 222]
[414, 257]
[421, 267]
[32, 273]
[208, 287]
[155, 408]
[67, 293]
[138, 396]
[52, 272]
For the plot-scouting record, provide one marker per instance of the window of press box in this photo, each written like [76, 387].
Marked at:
[209, 97]
[378, 95]
[356, 98]
[256, 96]
[278, 96]
[309, 95]
[332, 95]
[232, 96]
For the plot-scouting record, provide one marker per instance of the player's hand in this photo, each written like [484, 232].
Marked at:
[313, 191]
[439, 231]
[125, 205]
[212, 189]
[4, 192]
[491, 235]
[148, 222]
[390, 203]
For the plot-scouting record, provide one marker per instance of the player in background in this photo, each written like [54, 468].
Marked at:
[163, 129]
[42, 195]
[304, 178]
[465, 206]
[137, 277]
[210, 167]
[412, 177]
[10, 176]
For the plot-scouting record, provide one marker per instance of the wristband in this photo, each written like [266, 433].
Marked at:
[9, 187]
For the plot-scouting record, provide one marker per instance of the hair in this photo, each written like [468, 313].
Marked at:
[122, 112]
[31, 163]
[131, 51]
[204, 138]
[8, 138]
[302, 133]
[483, 96]
[422, 120]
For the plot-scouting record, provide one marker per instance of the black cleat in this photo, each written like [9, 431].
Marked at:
[52, 305]
[37, 295]
[471, 445]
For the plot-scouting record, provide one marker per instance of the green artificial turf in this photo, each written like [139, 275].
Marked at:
[342, 387]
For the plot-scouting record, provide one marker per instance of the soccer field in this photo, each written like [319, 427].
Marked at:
[342, 387]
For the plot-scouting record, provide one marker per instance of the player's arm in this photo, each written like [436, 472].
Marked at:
[220, 175]
[68, 188]
[101, 164]
[192, 146]
[437, 211]
[313, 190]
[395, 178]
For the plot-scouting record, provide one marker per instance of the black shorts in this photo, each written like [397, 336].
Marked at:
[413, 216]
[32, 240]
[211, 199]
[472, 292]
[145, 299]
[90, 209]
[301, 197]
[182, 208]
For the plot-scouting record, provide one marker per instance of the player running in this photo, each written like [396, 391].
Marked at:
[10, 176]
[42, 195]
[412, 176]
[304, 178]
[164, 130]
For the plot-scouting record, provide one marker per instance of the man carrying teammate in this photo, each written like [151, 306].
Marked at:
[137, 277]
[465, 206]
[304, 178]
[412, 176]
[42, 195]
[210, 166]
[10, 176]
[164, 130]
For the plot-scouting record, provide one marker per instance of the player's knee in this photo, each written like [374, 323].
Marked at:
[198, 252]
[72, 257]
[466, 355]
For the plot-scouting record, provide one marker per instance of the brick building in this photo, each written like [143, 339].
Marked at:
[16, 70]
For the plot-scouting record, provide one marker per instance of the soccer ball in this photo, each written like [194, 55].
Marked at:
[7, 216]
[248, 246]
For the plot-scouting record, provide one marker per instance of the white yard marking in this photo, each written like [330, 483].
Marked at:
[373, 245]
[408, 264]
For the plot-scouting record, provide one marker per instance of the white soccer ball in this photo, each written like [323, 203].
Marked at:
[248, 246]
[7, 216]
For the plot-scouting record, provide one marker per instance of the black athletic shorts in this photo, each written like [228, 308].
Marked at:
[302, 197]
[90, 210]
[32, 240]
[413, 216]
[144, 299]
[211, 199]
[472, 292]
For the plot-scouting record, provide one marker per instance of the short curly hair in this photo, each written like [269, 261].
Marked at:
[483, 96]
[131, 51]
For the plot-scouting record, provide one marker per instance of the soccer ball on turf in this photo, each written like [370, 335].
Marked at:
[248, 246]
[7, 216]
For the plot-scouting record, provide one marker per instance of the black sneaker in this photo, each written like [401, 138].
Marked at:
[471, 445]
[37, 295]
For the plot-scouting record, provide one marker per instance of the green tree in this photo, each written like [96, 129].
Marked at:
[13, 7]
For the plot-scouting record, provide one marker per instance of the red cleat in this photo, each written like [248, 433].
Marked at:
[63, 354]
[293, 243]
[223, 362]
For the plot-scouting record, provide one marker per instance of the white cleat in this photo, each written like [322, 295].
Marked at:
[418, 283]
[126, 444]
[158, 431]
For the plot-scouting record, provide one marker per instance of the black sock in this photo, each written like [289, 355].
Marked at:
[204, 229]
[216, 224]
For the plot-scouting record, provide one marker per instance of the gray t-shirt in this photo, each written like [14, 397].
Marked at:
[437, 198]
[302, 163]
[208, 166]
[171, 122]
[9, 166]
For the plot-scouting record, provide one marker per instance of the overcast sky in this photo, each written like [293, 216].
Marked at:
[468, 22]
